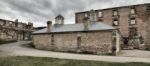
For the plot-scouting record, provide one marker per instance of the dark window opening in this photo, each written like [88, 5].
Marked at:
[115, 22]
[132, 32]
[101, 20]
[132, 21]
[52, 39]
[78, 42]
[125, 40]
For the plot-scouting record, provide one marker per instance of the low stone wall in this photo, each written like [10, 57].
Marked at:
[96, 42]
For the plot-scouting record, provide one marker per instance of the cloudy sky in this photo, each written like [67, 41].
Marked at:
[40, 11]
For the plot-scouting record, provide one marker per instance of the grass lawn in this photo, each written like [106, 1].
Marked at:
[40, 61]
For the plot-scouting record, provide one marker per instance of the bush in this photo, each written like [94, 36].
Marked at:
[7, 41]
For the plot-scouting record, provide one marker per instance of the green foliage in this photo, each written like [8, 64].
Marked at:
[6, 41]
[43, 61]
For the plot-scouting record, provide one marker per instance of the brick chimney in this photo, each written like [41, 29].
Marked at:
[16, 23]
[49, 26]
[86, 23]
[30, 25]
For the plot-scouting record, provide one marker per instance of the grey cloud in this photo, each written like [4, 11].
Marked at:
[39, 11]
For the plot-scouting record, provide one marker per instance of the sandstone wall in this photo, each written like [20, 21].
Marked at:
[65, 42]
[90, 41]
[42, 41]
[96, 42]
[124, 17]
[14, 30]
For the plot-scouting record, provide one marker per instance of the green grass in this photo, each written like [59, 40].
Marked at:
[40, 61]
[5, 41]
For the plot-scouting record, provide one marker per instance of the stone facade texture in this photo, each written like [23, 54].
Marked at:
[123, 16]
[99, 41]
[14, 30]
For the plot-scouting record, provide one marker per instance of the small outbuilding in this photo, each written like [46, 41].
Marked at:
[89, 36]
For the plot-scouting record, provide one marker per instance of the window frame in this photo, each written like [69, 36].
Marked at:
[133, 18]
[114, 24]
[100, 14]
[115, 12]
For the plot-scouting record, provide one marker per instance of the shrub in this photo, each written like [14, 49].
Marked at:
[7, 41]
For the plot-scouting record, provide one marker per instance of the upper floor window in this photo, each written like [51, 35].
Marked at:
[85, 15]
[132, 11]
[132, 21]
[115, 22]
[115, 12]
[100, 14]
[10, 24]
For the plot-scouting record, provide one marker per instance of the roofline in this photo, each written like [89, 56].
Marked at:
[114, 8]
[6, 20]
[11, 21]
[72, 31]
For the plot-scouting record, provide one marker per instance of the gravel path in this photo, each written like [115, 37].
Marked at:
[16, 49]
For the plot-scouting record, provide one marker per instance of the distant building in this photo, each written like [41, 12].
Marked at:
[132, 21]
[14, 30]
[88, 36]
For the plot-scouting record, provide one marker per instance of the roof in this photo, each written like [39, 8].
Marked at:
[59, 16]
[77, 27]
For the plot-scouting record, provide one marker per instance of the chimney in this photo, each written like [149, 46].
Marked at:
[86, 23]
[16, 23]
[93, 15]
[30, 25]
[16, 20]
[49, 26]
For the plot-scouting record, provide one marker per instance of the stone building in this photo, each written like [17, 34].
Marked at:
[132, 21]
[14, 30]
[89, 36]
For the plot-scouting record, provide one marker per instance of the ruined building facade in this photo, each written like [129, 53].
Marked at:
[14, 30]
[132, 22]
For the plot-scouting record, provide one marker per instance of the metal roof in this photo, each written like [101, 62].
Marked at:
[77, 27]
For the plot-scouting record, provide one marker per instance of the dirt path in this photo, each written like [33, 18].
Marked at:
[135, 53]
[16, 49]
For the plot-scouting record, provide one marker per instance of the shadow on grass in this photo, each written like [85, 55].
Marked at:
[6, 41]
[44, 61]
